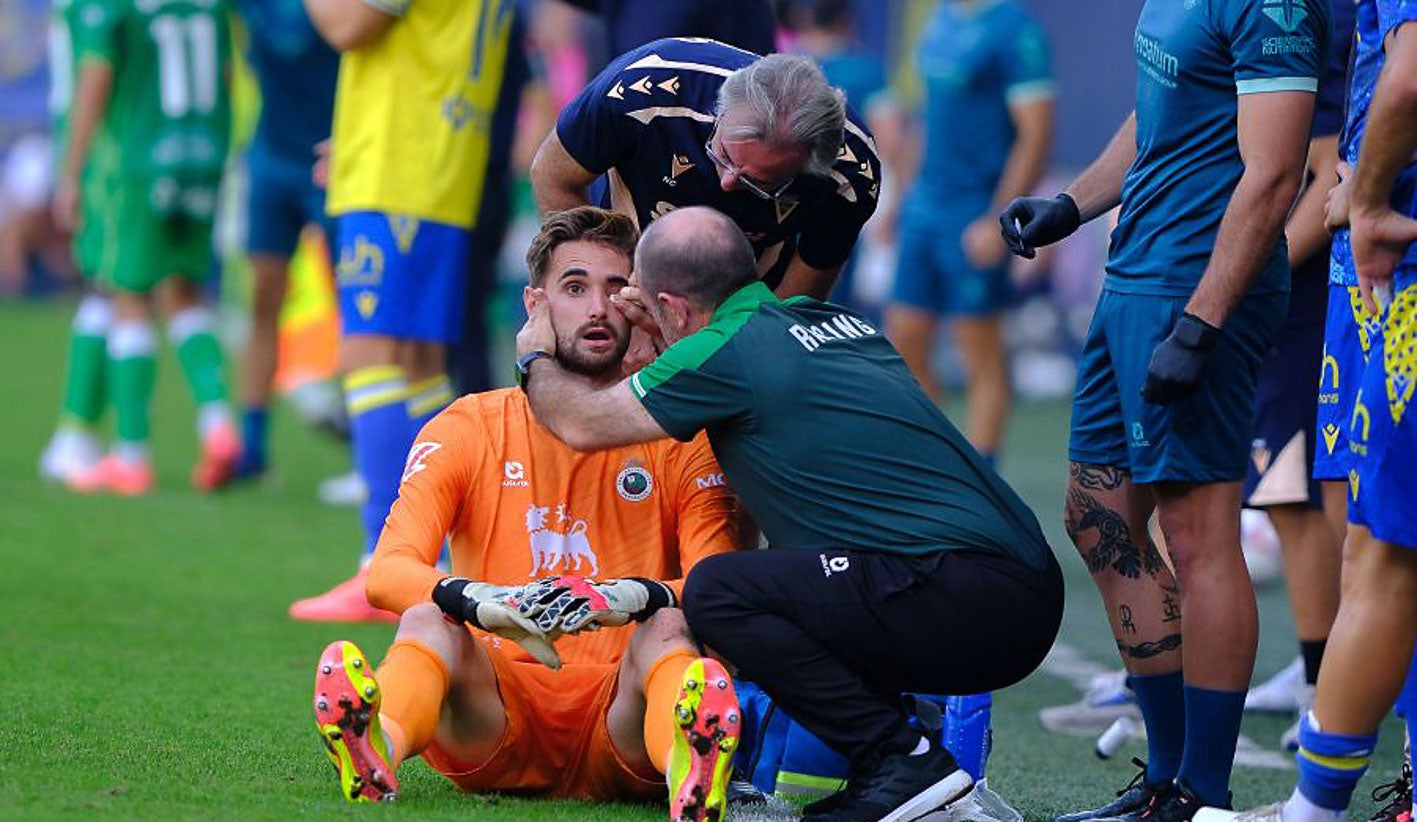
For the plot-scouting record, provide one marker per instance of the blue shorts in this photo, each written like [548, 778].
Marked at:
[933, 273]
[402, 277]
[1203, 438]
[1349, 334]
[1382, 438]
[281, 202]
[1281, 455]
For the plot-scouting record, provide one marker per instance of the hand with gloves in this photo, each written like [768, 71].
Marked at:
[571, 604]
[1030, 222]
[1179, 360]
[503, 610]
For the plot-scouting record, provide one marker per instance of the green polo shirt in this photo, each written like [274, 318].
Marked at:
[827, 438]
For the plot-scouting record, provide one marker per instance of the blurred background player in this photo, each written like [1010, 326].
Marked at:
[987, 131]
[1370, 646]
[152, 89]
[1281, 479]
[76, 446]
[418, 84]
[517, 504]
[764, 140]
[1205, 172]
[629, 24]
[296, 72]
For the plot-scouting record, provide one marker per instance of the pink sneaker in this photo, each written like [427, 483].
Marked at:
[115, 476]
[346, 602]
[221, 452]
[702, 760]
[347, 717]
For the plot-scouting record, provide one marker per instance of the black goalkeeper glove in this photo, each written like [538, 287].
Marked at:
[1179, 360]
[1030, 222]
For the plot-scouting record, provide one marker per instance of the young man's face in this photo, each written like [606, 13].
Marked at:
[591, 334]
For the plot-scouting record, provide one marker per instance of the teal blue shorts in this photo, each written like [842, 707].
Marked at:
[1205, 437]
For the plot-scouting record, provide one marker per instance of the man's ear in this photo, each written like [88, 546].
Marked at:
[526, 299]
[676, 310]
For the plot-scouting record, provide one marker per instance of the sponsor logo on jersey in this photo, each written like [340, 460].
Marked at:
[1139, 439]
[514, 474]
[1287, 14]
[678, 164]
[361, 263]
[562, 545]
[417, 458]
[634, 483]
[1159, 64]
[1359, 427]
[1331, 433]
[710, 481]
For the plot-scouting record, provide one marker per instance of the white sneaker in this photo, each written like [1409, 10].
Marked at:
[345, 490]
[1289, 741]
[1107, 699]
[1264, 813]
[70, 453]
[1278, 694]
[979, 805]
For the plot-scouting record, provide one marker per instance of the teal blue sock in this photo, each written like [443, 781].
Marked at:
[1212, 729]
[1163, 709]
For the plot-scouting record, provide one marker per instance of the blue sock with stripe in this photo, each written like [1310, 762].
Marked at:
[1212, 729]
[1163, 709]
[1330, 765]
[253, 440]
[1406, 706]
[380, 438]
[425, 399]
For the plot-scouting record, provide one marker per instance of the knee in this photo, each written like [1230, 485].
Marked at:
[424, 623]
[704, 593]
[665, 630]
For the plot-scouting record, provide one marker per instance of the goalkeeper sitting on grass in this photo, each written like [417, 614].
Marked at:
[500, 677]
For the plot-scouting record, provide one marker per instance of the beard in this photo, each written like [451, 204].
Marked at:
[578, 361]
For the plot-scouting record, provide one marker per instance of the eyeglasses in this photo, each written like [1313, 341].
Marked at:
[737, 172]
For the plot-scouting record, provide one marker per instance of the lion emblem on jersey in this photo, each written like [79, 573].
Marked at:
[564, 550]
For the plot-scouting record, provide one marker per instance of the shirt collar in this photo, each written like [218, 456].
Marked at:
[744, 300]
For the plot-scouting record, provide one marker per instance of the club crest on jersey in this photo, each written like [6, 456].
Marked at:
[634, 483]
[567, 549]
[417, 458]
[678, 164]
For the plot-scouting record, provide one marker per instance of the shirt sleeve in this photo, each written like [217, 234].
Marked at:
[1028, 71]
[697, 383]
[597, 128]
[393, 8]
[707, 522]
[831, 231]
[1276, 46]
[1393, 13]
[94, 29]
[436, 478]
[1333, 84]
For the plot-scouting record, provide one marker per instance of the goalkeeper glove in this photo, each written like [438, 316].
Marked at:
[577, 604]
[1030, 222]
[1177, 363]
[500, 610]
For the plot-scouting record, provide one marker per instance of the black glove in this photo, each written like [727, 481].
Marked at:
[1030, 222]
[1178, 361]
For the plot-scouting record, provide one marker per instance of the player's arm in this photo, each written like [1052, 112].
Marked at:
[436, 479]
[1305, 229]
[353, 24]
[801, 279]
[707, 521]
[1273, 133]
[1380, 234]
[1030, 222]
[92, 93]
[558, 182]
[829, 235]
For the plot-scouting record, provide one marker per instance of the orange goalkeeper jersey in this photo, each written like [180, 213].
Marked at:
[517, 504]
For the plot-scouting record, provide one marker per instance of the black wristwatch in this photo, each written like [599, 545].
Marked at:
[524, 365]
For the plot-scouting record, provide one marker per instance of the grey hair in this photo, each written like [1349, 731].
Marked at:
[789, 103]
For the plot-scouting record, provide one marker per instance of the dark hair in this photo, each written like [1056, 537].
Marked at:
[703, 265]
[586, 223]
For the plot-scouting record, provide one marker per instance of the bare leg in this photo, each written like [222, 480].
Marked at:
[912, 331]
[661, 634]
[259, 368]
[1312, 560]
[1202, 527]
[1335, 494]
[1106, 518]
[981, 345]
[1370, 646]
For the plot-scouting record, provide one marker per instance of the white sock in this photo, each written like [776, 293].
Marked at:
[1300, 809]
[211, 416]
[131, 453]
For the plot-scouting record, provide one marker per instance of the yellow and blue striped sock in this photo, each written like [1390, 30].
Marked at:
[1330, 765]
[379, 437]
[425, 399]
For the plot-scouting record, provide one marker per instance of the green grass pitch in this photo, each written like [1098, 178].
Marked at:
[150, 671]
